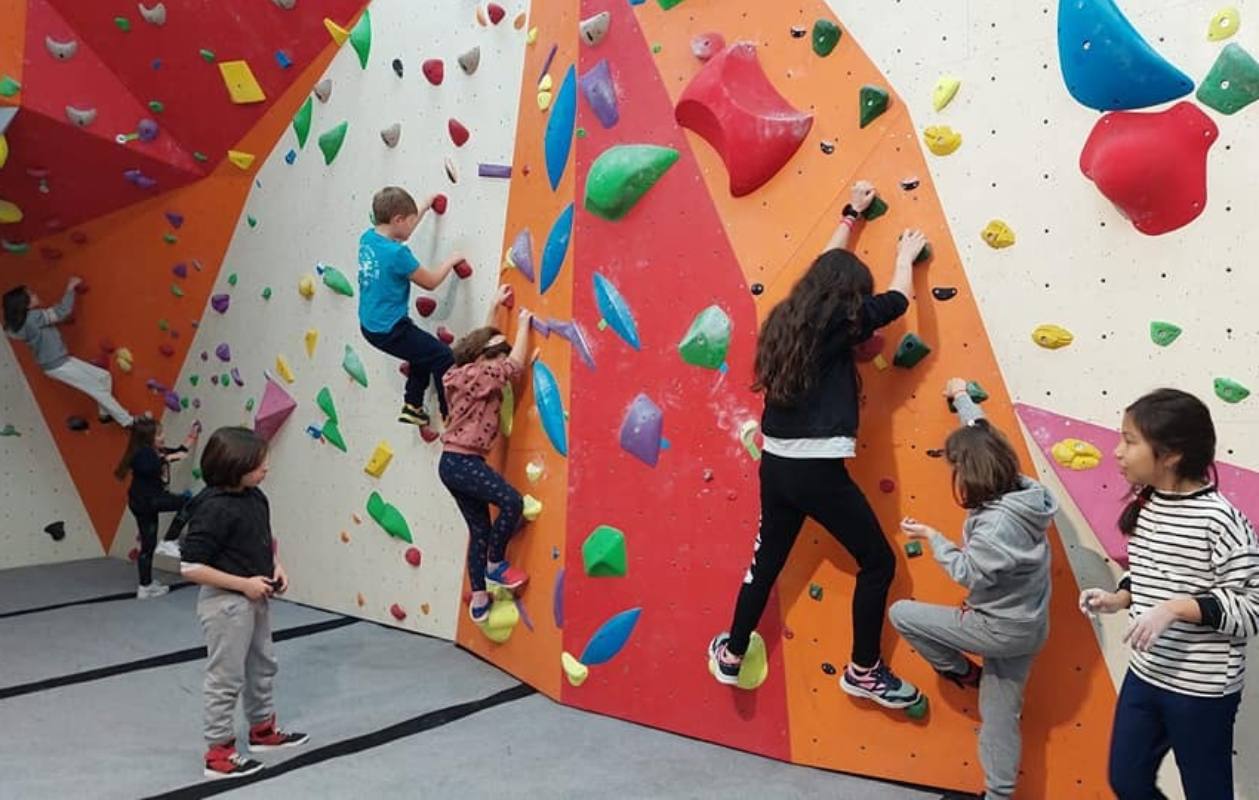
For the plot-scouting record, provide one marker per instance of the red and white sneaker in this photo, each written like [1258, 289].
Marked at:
[266, 736]
[222, 761]
[506, 576]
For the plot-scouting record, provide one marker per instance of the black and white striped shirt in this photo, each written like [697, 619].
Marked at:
[1196, 545]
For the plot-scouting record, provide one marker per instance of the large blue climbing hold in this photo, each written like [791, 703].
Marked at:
[610, 638]
[1105, 62]
[615, 311]
[556, 249]
[546, 393]
[559, 129]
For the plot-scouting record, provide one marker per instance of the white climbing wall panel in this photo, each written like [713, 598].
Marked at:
[307, 213]
[1077, 262]
[35, 487]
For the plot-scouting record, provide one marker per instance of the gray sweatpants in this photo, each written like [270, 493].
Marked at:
[941, 634]
[241, 660]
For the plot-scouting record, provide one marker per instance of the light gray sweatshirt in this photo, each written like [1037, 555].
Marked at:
[41, 334]
[1004, 559]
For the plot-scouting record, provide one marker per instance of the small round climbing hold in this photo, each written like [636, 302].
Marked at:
[913, 549]
[463, 269]
[1164, 333]
[434, 70]
[440, 202]
[495, 12]
[1076, 454]
[945, 91]
[997, 235]
[874, 101]
[943, 293]
[1052, 337]
[425, 306]
[413, 556]
[941, 139]
[815, 591]
[574, 670]
[397, 67]
[758, 288]
[828, 668]
[1224, 24]
[887, 485]
[399, 613]
[706, 45]
[458, 133]
[828, 147]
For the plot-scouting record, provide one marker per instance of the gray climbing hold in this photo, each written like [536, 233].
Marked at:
[469, 61]
[81, 117]
[156, 15]
[392, 134]
[323, 90]
[62, 51]
[595, 28]
[286, 5]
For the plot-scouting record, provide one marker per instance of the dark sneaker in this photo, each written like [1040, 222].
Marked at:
[480, 614]
[266, 736]
[222, 761]
[506, 576]
[968, 679]
[724, 671]
[104, 419]
[414, 415]
[880, 685]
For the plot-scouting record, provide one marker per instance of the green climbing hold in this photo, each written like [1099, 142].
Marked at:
[324, 401]
[603, 553]
[157, 106]
[657, 47]
[194, 379]
[196, 473]
[266, 293]
[251, 220]
[361, 37]
[622, 174]
[1233, 82]
[815, 591]
[232, 279]
[335, 280]
[330, 142]
[301, 121]
[9, 430]
[388, 517]
[913, 549]
[581, 133]
[974, 391]
[9, 86]
[825, 36]
[249, 404]
[123, 24]
[170, 238]
[668, 4]
[1164, 333]
[352, 364]
[175, 290]
[163, 325]
[14, 247]
[910, 351]
[200, 156]
[207, 56]
[332, 435]
[874, 100]
[1230, 391]
[706, 342]
[877, 208]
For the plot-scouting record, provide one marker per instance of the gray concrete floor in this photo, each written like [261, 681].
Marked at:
[137, 733]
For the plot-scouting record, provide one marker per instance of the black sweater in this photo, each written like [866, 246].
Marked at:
[230, 531]
[830, 406]
[150, 472]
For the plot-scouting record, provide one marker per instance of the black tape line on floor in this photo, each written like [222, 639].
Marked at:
[105, 598]
[357, 744]
[164, 660]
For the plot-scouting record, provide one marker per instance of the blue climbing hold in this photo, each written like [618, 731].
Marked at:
[556, 249]
[559, 129]
[546, 393]
[610, 638]
[615, 311]
[290, 157]
[1105, 62]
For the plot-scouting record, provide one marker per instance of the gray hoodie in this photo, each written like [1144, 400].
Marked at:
[1005, 557]
[41, 334]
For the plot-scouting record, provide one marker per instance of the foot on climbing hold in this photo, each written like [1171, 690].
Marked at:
[708, 339]
[997, 235]
[1233, 82]
[1164, 333]
[1076, 454]
[603, 553]
[910, 351]
[874, 101]
[825, 36]
[1230, 391]
[1052, 337]
[622, 174]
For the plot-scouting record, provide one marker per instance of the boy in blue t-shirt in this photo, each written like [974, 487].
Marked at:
[386, 270]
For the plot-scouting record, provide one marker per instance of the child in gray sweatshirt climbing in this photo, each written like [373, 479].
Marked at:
[1004, 563]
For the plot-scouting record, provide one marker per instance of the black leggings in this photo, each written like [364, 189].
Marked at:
[475, 486]
[821, 488]
[145, 510]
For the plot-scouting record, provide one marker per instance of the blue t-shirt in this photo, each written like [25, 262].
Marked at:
[384, 281]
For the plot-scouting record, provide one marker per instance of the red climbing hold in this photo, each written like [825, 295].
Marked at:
[458, 133]
[166, 350]
[445, 335]
[399, 613]
[887, 486]
[413, 556]
[429, 435]
[435, 70]
[425, 306]
[1152, 166]
[733, 106]
[496, 12]
[439, 203]
[867, 350]
[463, 269]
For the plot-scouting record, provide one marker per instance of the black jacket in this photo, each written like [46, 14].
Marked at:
[230, 531]
[830, 407]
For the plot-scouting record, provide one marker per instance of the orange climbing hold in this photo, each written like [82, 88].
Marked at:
[734, 107]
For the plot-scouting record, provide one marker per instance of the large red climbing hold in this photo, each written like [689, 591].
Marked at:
[1153, 167]
[734, 107]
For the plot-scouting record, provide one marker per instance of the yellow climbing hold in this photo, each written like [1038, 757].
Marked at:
[124, 359]
[1224, 24]
[4, 150]
[1076, 454]
[945, 91]
[747, 435]
[379, 462]
[941, 139]
[312, 339]
[501, 622]
[533, 508]
[532, 36]
[240, 158]
[282, 369]
[242, 86]
[338, 34]
[306, 286]
[546, 84]
[574, 670]
[544, 101]
[880, 363]
[997, 234]
[533, 471]
[1052, 337]
[9, 212]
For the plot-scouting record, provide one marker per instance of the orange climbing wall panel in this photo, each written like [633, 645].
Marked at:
[12, 43]
[127, 266]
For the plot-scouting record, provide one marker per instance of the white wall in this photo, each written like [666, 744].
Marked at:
[35, 486]
[1077, 262]
[309, 213]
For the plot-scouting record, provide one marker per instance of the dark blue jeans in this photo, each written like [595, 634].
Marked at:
[426, 356]
[475, 486]
[1149, 721]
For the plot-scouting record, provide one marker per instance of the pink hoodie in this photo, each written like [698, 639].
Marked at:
[474, 393]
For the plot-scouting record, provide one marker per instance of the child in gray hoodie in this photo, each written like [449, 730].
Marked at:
[1004, 563]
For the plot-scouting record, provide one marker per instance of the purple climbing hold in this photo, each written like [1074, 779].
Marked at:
[220, 302]
[572, 331]
[175, 219]
[180, 270]
[494, 170]
[223, 352]
[147, 130]
[138, 178]
[521, 254]
[600, 92]
[172, 401]
[640, 432]
[542, 326]
[236, 378]
[557, 599]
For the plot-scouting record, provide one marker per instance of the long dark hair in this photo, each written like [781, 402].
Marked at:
[143, 435]
[833, 288]
[1174, 423]
[985, 466]
[17, 303]
[476, 344]
[230, 455]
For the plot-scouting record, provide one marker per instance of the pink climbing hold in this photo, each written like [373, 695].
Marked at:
[706, 45]
[440, 201]
[1152, 166]
[445, 335]
[413, 556]
[733, 106]
[463, 269]
[425, 306]
[458, 133]
[429, 435]
[434, 70]
[274, 410]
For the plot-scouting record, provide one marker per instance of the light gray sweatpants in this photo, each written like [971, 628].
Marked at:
[241, 660]
[941, 634]
[95, 382]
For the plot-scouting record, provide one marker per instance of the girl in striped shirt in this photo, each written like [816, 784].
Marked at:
[1192, 594]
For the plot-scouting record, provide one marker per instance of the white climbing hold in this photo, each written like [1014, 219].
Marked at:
[155, 15]
[533, 471]
[323, 90]
[945, 91]
[595, 28]
[469, 61]
[392, 134]
[62, 51]
[81, 116]
[286, 5]
[452, 171]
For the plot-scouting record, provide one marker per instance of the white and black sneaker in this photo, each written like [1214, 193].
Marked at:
[168, 547]
[222, 761]
[151, 590]
[724, 671]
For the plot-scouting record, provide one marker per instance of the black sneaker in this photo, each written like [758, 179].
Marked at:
[222, 761]
[414, 415]
[966, 680]
[722, 670]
